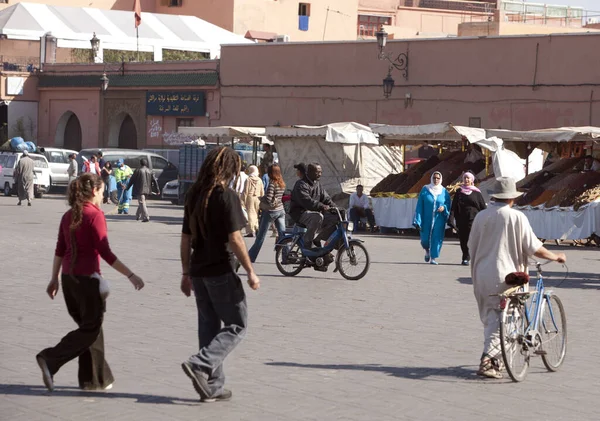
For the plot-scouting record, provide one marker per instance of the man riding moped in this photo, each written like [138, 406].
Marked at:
[310, 204]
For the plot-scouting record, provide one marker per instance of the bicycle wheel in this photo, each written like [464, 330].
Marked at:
[513, 323]
[291, 264]
[553, 330]
[353, 262]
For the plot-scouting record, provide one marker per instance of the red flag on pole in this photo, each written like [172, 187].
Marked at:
[137, 8]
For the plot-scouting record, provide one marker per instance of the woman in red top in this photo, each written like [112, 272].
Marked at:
[82, 240]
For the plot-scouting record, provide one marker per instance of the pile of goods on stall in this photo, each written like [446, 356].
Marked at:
[452, 164]
[560, 184]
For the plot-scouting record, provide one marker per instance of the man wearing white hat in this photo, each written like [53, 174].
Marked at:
[501, 240]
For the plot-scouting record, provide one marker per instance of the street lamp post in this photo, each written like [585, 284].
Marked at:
[95, 42]
[399, 63]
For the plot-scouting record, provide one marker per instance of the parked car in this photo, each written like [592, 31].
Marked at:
[163, 170]
[41, 173]
[171, 192]
[58, 159]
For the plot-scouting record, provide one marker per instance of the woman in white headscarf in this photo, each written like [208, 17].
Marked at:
[431, 214]
[253, 191]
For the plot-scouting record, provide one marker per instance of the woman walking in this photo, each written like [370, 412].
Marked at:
[253, 189]
[272, 210]
[431, 214]
[82, 240]
[467, 203]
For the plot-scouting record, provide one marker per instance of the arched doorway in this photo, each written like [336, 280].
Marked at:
[122, 132]
[68, 132]
[128, 134]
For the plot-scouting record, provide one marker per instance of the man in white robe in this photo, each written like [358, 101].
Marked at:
[501, 240]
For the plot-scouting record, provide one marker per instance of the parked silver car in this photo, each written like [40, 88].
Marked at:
[58, 160]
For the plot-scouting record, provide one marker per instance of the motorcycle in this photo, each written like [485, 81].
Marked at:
[352, 259]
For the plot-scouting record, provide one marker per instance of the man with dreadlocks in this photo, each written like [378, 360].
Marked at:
[212, 225]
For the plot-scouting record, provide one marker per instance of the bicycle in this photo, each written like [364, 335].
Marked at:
[530, 329]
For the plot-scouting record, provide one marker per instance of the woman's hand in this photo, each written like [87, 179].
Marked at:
[137, 282]
[440, 209]
[52, 288]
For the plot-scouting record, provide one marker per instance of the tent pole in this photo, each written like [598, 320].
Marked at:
[403, 157]
[487, 162]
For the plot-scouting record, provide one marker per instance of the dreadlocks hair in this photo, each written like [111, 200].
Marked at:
[220, 167]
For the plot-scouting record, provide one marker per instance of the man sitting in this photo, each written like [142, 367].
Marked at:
[309, 206]
[359, 208]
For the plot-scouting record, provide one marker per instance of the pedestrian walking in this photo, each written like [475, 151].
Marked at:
[92, 166]
[122, 174]
[106, 173]
[72, 169]
[431, 214]
[272, 211]
[467, 203]
[253, 190]
[101, 160]
[82, 240]
[212, 225]
[143, 184]
[500, 243]
[24, 177]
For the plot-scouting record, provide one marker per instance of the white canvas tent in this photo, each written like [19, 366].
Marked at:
[349, 153]
[74, 27]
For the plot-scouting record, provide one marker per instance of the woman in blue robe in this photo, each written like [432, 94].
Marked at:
[431, 214]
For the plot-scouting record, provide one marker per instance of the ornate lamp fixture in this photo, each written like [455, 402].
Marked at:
[400, 62]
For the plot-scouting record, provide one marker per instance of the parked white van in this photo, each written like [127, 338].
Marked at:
[58, 159]
[41, 173]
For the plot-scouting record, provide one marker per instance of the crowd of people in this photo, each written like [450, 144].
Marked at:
[495, 241]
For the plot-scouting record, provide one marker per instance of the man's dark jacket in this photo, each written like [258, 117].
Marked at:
[143, 182]
[308, 195]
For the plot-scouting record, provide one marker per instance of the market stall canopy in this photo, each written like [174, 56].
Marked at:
[562, 134]
[350, 133]
[224, 131]
[438, 132]
[74, 27]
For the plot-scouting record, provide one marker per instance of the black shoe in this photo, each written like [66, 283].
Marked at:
[28, 203]
[138, 217]
[199, 380]
[317, 243]
[19, 204]
[249, 235]
[46, 376]
[224, 396]
[146, 220]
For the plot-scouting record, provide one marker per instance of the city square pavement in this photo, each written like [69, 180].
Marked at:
[401, 344]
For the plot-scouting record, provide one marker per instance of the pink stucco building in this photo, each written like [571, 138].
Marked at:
[520, 82]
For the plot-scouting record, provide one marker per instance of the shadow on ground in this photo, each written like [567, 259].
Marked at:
[167, 220]
[31, 390]
[573, 280]
[414, 373]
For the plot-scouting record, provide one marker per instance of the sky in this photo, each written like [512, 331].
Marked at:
[586, 4]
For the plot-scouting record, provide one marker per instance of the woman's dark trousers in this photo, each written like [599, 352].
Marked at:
[86, 307]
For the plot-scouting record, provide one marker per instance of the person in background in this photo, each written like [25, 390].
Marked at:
[82, 240]
[360, 208]
[101, 160]
[274, 213]
[591, 164]
[24, 178]
[92, 165]
[211, 231]
[72, 169]
[267, 159]
[106, 172]
[500, 243]
[467, 203]
[122, 175]
[253, 189]
[431, 214]
[240, 180]
[300, 170]
[143, 184]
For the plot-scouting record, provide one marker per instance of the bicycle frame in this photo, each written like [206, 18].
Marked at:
[539, 299]
[341, 232]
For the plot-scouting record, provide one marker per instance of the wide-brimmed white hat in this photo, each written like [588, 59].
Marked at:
[505, 188]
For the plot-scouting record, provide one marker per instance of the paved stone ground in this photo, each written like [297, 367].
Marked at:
[401, 344]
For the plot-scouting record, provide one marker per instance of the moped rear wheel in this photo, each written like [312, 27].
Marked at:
[513, 324]
[292, 263]
[353, 262]
[553, 330]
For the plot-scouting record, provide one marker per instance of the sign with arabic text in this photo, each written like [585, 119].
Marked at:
[175, 103]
